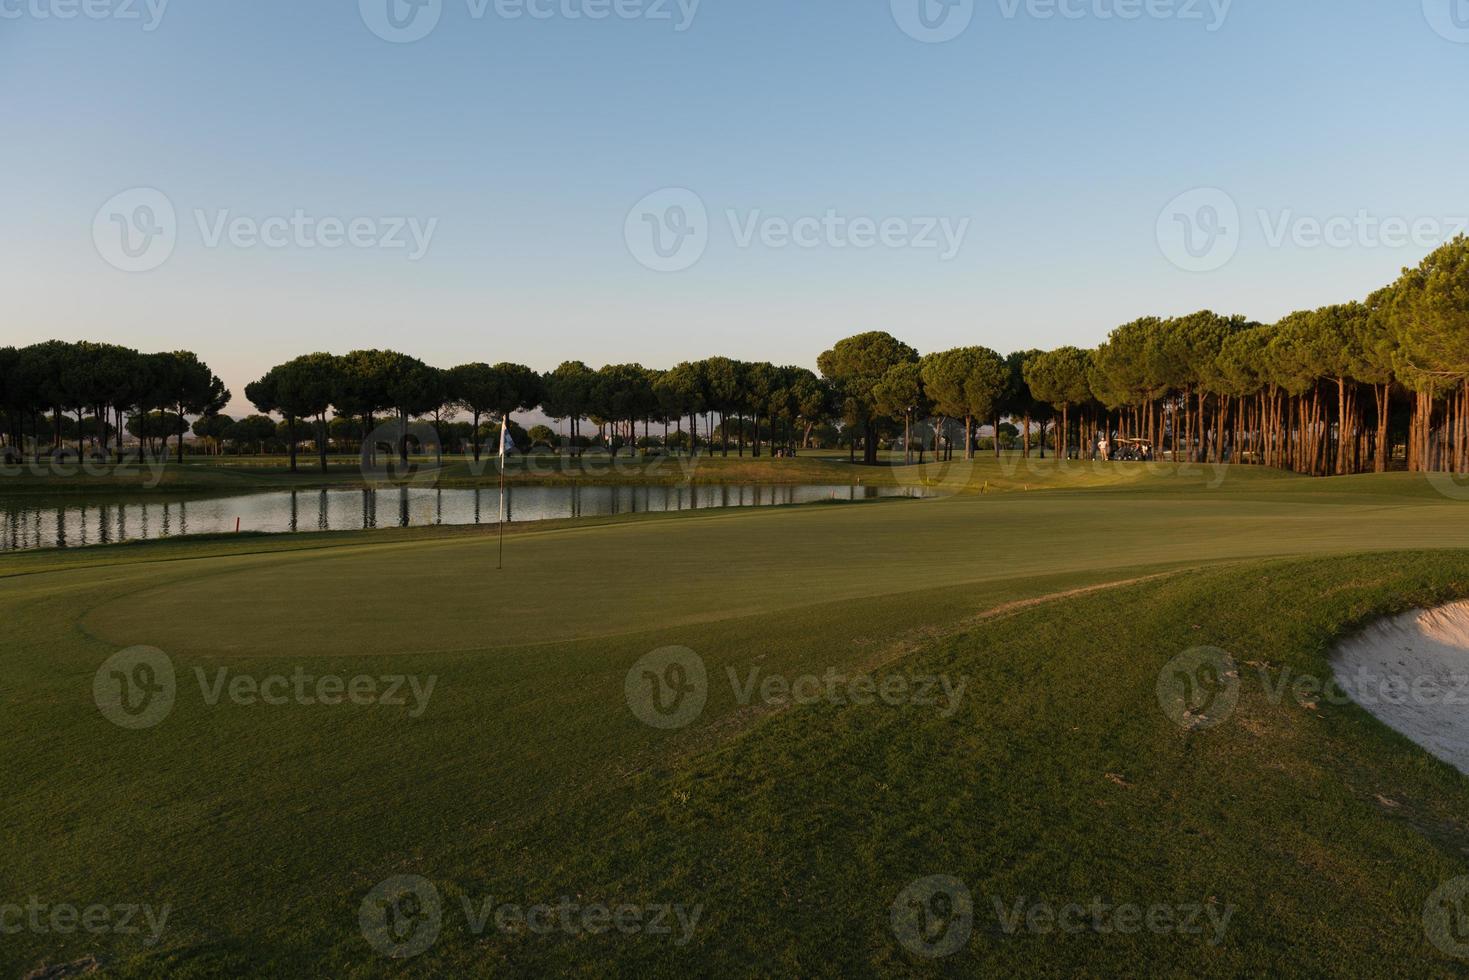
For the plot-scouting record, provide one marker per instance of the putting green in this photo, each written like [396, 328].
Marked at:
[446, 594]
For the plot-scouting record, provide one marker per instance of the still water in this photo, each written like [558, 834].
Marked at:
[52, 522]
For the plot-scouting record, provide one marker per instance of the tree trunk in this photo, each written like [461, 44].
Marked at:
[321, 438]
[291, 439]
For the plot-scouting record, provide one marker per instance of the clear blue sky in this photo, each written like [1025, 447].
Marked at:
[1059, 139]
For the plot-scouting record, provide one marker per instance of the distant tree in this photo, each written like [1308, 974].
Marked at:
[438, 403]
[413, 389]
[299, 389]
[722, 377]
[965, 383]
[680, 394]
[14, 399]
[251, 429]
[855, 366]
[758, 384]
[362, 391]
[213, 429]
[811, 398]
[1060, 378]
[898, 395]
[520, 389]
[568, 395]
[477, 388]
[157, 427]
[188, 388]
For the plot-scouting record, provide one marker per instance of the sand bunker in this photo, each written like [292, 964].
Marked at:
[1412, 672]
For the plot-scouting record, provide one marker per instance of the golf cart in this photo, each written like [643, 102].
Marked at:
[1133, 450]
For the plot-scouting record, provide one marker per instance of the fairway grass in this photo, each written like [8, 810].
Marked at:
[1056, 776]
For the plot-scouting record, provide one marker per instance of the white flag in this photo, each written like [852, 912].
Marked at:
[504, 437]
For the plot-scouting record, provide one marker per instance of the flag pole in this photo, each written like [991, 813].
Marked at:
[504, 433]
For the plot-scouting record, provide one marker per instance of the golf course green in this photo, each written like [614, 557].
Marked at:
[481, 749]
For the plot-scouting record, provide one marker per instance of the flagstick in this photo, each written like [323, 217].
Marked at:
[504, 427]
[501, 563]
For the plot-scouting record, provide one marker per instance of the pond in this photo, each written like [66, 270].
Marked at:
[67, 522]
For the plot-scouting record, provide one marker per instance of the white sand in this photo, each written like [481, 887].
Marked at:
[1412, 672]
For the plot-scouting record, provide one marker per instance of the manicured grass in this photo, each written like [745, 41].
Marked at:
[1057, 778]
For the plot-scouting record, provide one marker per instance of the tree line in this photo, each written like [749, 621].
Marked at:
[1356, 386]
[376, 386]
[1350, 387]
[99, 386]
